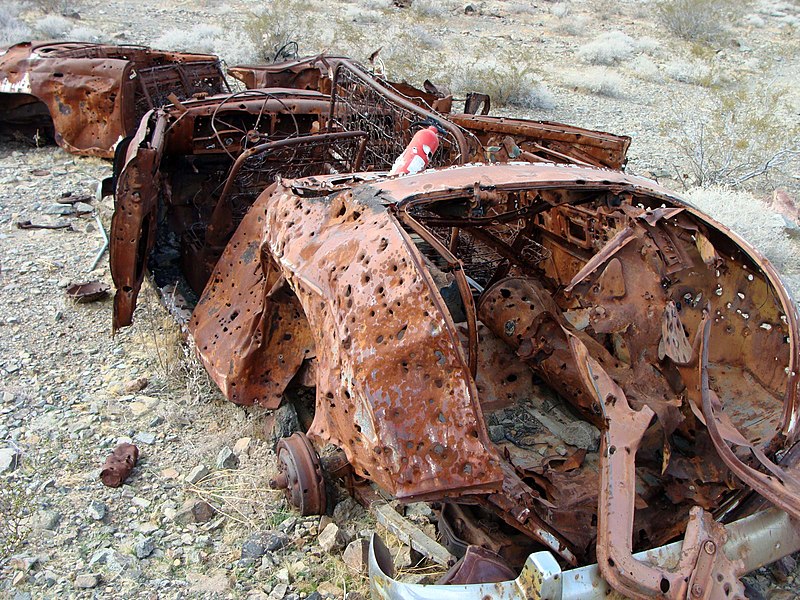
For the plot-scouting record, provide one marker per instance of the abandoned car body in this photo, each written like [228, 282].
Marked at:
[558, 355]
[89, 96]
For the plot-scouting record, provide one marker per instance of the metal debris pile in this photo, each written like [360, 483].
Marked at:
[571, 364]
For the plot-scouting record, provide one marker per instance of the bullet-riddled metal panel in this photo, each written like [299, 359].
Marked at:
[95, 94]
[392, 383]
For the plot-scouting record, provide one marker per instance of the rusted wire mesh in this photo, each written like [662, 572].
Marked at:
[183, 80]
[359, 106]
[306, 157]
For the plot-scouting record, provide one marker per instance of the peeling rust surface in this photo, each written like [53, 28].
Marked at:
[472, 331]
[119, 464]
[90, 96]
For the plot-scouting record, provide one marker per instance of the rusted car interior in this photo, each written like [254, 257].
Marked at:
[557, 355]
[87, 97]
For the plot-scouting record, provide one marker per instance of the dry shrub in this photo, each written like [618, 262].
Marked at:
[608, 48]
[12, 30]
[508, 81]
[198, 39]
[699, 20]
[53, 27]
[603, 82]
[743, 135]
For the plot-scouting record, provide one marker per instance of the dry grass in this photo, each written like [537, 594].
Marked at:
[15, 505]
[242, 496]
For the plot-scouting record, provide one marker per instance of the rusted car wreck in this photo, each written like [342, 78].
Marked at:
[572, 364]
[87, 97]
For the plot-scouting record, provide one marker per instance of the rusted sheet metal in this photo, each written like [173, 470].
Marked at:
[90, 96]
[379, 344]
[200, 142]
[421, 308]
[497, 139]
[88, 291]
[507, 139]
[372, 342]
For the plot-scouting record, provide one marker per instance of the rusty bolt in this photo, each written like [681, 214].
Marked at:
[280, 482]
[710, 547]
[697, 590]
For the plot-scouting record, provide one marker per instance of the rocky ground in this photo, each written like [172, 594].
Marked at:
[196, 518]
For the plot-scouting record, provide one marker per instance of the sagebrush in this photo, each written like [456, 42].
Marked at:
[736, 136]
[508, 82]
[699, 20]
[12, 29]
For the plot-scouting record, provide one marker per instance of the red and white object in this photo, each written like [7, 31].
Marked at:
[417, 155]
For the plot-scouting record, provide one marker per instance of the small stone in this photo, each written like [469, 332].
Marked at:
[419, 510]
[497, 433]
[356, 556]
[326, 588]
[279, 591]
[332, 538]
[46, 519]
[226, 459]
[23, 562]
[170, 473]
[145, 438]
[18, 578]
[348, 512]
[196, 474]
[470, 9]
[82, 208]
[141, 502]
[288, 525]
[144, 547]
[282, 575]
[324, 521]
[96, 510]
[194, 511]
[284, 424]
[59, 209]
[143, 405]
[242, 446]
[86, 581]
[135, 385]
[100, 557]
[9, 459]
[266, 541]
[406, 557]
